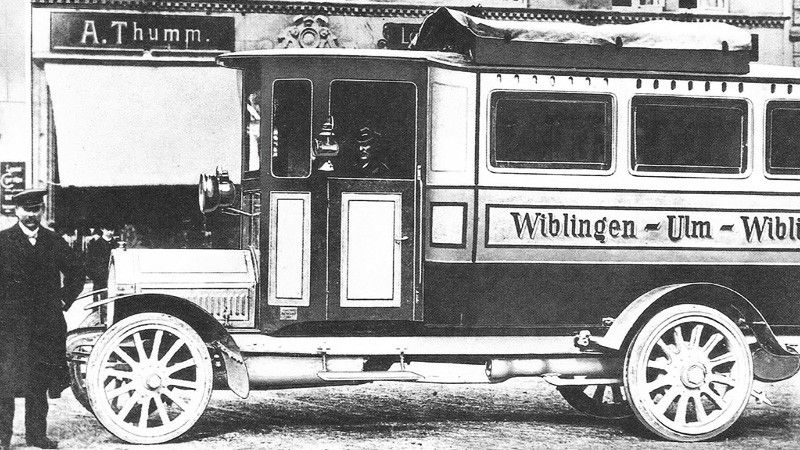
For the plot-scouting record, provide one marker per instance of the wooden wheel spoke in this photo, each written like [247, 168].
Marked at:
[172, 351]
[124, 389]
[699, 408]
[666, 348]
[680, 410]
[125, 357]
[178, 400]
[137, 340]
[694, 339]
[658, 383]
[182, 383]
[658, 363]
[716, 398]
[712, 342]
[721, 379]
[127, 407]
[180, 366]
[722, 359]
[117, 374]
[599, 393]
[668, 398]
[145, 412]
[616, 394]
[162, 410]
[156, 345]
[678, 336]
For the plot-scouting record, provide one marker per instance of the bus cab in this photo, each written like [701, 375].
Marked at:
[610, 211]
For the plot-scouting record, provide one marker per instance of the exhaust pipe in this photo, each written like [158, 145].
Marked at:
[594, 367]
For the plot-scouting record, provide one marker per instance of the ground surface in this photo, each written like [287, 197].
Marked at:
[521, 413]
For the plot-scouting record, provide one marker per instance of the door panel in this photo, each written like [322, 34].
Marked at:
[289, 248]
[371, 239]
[371, 249]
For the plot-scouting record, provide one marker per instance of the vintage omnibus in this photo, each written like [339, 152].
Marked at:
[614, 209]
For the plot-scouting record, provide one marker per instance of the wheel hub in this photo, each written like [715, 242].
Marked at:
[153, 382]
[693, 376]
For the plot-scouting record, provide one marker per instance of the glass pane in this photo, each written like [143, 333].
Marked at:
[689, 135]
[376, 126]
[551, 131]
[291, 128]
[783, 138]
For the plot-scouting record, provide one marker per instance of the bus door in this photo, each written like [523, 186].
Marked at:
[372, 194]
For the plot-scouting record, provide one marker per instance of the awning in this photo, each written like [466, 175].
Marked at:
[143, 125]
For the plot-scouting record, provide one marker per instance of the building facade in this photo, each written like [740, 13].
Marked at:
[117, 105]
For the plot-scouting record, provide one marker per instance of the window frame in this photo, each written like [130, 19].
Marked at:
[771, 104]
[416, 111]
[268, 148]
[610, 150]
[746, 139]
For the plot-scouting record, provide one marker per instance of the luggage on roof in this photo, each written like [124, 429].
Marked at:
[659, 45]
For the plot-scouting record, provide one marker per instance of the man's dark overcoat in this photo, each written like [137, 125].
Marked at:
[32, 326]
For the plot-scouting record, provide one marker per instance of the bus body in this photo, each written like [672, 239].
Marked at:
[628, 232]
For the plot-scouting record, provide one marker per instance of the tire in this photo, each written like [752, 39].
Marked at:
[688, 373]
[79, 346]
[604, 401]
[149, 378]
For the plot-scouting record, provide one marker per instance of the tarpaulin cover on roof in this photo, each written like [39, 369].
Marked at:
[655, 45]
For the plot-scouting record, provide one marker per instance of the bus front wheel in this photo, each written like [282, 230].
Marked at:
[688, 373]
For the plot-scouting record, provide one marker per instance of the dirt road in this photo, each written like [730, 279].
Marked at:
[521, 413]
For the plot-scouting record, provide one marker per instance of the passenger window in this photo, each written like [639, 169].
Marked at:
[783, 138]
[291, 128]
[693, 135]
[376, 122]
[532, 130]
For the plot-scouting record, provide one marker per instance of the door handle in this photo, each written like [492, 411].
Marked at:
[399, 240]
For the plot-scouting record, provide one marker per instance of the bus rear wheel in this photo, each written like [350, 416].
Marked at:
[688, 373]
[149, 378]
[604, 401]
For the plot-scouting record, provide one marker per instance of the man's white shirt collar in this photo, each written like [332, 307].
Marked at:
[32, 235]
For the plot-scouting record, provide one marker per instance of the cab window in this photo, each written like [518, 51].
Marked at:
[252, 115]
[692, 135]
[783, 138]
[533, 130]
[291, 128]
[375, 122]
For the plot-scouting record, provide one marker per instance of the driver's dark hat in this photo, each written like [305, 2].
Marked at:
[29, 197]
[366, 135]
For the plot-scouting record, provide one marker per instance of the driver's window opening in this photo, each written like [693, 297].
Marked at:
[252, 114]
[376, 126]
[291, 128]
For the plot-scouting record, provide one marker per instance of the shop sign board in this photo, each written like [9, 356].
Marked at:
[12, 181]
[94, 31]
[397, 36]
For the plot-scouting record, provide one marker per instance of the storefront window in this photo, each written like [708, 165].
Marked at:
[678, 134]
[532, 130]
[376, 125]
[291, 128]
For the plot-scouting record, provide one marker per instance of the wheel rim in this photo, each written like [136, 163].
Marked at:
[150, 380]
[606, 401]
[692, 376]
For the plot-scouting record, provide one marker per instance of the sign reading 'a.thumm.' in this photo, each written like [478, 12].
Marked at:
[70, 31]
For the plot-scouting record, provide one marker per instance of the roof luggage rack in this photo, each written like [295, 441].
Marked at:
[658, 45]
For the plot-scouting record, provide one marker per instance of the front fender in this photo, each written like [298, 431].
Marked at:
[772, 362]
[209, 328]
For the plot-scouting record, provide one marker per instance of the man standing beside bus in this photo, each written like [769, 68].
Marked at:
[33, 331]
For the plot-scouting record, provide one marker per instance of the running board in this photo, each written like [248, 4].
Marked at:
[370, 376]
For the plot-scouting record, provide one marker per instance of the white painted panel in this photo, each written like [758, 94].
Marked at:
[449, 131]
[447, 224]
[370, 252]
[289, 248]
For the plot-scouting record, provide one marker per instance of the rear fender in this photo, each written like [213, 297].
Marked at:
[210, 330]
[771, 361]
